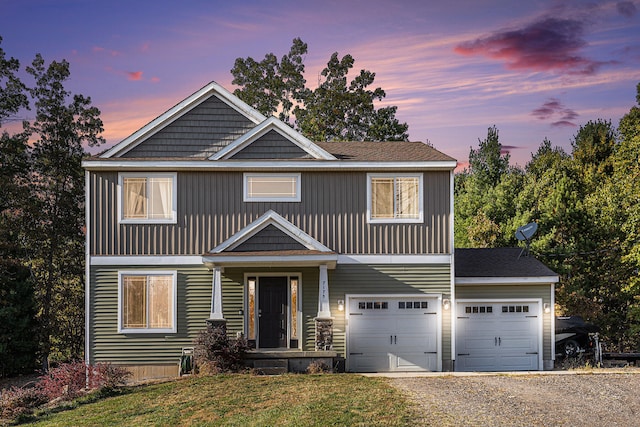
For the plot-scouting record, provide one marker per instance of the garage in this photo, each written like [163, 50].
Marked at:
[399, 333]
[498, 335]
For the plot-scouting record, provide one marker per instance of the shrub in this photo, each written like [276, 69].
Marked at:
[318, 367]
[67, 381]
[105, 376]
[215, 353]
[16, 401]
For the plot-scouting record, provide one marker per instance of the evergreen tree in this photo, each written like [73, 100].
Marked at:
[63, 125]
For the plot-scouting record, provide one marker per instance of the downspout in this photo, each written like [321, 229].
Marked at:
[452, 309]
[87, 274]
[553, 323]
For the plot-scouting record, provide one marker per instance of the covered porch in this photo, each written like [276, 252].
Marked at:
[271, 264]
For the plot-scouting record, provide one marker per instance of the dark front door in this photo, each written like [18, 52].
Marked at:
[272, 312]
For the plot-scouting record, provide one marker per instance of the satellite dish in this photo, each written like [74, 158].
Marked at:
[524, 233]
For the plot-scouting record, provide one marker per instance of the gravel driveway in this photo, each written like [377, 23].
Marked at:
[574, 399]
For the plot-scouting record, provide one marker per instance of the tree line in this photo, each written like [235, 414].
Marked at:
[42, 214]
[587, 207]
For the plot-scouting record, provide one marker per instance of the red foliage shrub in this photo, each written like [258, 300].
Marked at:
[17, 401]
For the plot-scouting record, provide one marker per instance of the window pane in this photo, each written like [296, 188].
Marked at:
[381, 197]
[134, 198]
[252, 308]
[160, 301]
[134, 302]
[294, 308]
[272, 186]
[160, 198]
[407, 197]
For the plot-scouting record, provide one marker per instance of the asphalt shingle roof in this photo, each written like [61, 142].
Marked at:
[384, 151]
[498, 262]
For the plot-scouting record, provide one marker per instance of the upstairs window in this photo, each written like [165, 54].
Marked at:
[147, 198]
[394, 198]
[147, 302]
[271, 187]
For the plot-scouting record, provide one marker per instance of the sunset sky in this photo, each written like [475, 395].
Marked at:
[535, 69]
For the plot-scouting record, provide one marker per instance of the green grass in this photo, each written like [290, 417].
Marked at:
[246, 400]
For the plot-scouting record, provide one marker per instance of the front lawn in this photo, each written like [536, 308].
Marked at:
[248, 400]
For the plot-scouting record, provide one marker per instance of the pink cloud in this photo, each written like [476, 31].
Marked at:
[100, 49]
[155, 79]
[461, 167]
[549, 44]
[134, 75]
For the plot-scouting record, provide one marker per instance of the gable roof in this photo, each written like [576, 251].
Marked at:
[270, 218]
[240, 138]
[272, 124]
[501, 265]
[180, 109]
[310, 252]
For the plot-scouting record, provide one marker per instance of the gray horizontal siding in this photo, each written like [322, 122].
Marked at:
[201, 132]
[516, 292]
[271, 145]
[210, 210]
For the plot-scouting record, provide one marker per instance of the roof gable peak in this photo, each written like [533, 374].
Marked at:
[273, 123]
[270, 218]
[177, 111]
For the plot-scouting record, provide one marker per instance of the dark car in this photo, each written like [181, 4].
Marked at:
[574, 336]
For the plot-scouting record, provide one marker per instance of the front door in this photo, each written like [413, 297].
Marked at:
[272, 312]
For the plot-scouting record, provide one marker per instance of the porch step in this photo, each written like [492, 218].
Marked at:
[271, 366]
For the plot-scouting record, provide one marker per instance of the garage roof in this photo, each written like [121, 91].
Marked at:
[498, 262]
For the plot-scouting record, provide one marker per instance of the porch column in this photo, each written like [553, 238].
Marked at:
[324, 321]
[215, 317]
[324, 311]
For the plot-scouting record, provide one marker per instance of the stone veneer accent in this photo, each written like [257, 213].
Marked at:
[217, 323]
[324, 334]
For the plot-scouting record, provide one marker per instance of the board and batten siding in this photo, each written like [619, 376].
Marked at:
[210, 210]
[377, 280]
[516, 291]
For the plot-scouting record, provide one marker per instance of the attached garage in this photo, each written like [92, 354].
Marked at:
[498, 335]
[503, 314]
[398, 333]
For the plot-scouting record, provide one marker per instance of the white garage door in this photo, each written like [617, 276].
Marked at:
[498, 336]
[397, 333]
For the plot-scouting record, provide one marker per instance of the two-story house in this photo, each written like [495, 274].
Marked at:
[340, 251]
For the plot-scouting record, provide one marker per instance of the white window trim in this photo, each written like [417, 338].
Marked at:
[418, 220]
[245, 187]
[171, 330]
[174, 197]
